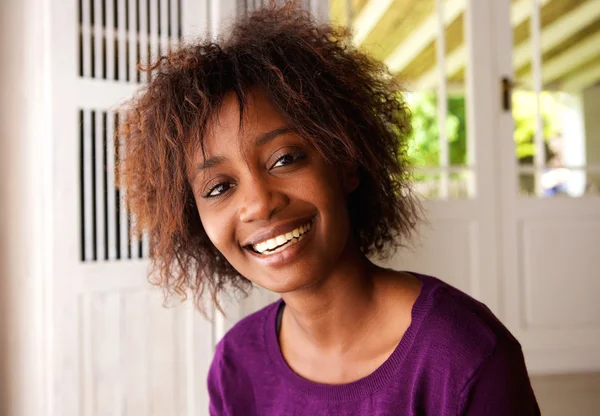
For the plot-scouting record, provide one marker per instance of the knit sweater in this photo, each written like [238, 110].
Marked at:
[455, 358]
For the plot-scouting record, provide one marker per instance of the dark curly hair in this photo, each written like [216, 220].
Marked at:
[333, 95]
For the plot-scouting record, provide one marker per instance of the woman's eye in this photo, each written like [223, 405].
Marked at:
[288, 159]
[219, 189]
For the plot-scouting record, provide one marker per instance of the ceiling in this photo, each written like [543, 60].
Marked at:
[403, 34]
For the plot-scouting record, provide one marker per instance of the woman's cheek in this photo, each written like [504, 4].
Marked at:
[218, 230]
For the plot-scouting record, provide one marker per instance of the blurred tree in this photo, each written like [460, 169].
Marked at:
[525, 116]
[425, 147]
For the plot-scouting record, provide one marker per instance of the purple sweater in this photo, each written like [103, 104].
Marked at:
[456, 358]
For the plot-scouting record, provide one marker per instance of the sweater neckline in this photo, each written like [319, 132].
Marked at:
[367, 385]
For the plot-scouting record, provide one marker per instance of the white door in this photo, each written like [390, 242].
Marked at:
[550, 171]
[114, 349]
[443, 55]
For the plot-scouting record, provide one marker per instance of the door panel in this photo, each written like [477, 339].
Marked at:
[551, 203]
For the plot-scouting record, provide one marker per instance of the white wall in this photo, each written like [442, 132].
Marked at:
[22, 164]
[568, 394]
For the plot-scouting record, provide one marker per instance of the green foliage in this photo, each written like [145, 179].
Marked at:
[425, 147]
[525, 115]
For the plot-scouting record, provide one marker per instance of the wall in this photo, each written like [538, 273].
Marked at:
[23, 136]
[568, 394]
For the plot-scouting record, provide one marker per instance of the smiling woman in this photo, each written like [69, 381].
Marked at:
[270, 183]
[278, 157]
[182, 131]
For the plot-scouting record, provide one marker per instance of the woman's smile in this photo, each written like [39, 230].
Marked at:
[283, 244]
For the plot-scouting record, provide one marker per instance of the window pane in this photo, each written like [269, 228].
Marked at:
[411, 56]
[425, 147]
[428, 185]
[461, 185]
[561, 182]
[414, 49]
[559, 57]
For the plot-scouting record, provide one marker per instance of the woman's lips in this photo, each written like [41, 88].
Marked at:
[276, 244]
[287, 252]
[275, 230]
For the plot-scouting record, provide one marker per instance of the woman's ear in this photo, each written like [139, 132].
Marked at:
[350, 179]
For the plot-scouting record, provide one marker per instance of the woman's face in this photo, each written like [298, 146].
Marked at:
[268, 200]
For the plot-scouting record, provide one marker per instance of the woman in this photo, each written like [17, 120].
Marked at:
[278, 156]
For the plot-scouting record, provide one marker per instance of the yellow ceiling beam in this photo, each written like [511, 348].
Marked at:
[421, 37]
[583, 79]
[368, 18]
[520, 12]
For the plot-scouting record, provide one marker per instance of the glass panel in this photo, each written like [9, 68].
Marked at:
[414, 51]
[526, 184]
[591, 185]
[456, 124]
[425, 147]
[427, 185]
[461, 185]
[556, 53]
[561, 182]
[525, 116]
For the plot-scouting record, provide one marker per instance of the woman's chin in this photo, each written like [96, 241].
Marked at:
[288, 284]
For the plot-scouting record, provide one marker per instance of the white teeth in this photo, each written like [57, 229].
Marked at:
[283, 247]
[282, 241]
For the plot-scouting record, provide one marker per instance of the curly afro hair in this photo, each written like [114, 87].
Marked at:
[333, 95]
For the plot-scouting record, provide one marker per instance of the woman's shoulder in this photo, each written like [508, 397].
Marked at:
[246, 335]
[239, 355]
[463, 356]
[457, 328]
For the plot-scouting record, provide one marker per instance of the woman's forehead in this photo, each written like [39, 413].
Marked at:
[228, 128]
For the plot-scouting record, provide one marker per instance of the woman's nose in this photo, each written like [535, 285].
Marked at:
[261, 202]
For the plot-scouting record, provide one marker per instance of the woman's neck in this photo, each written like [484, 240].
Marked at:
[336, 312]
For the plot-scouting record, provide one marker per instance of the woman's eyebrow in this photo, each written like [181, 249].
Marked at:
[210, 163]
[267, 137]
